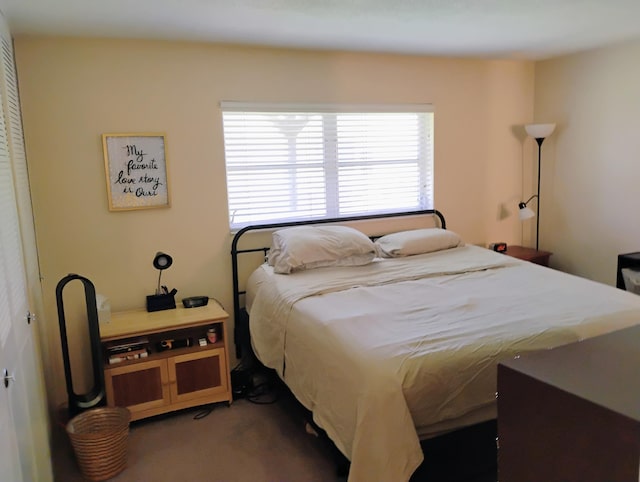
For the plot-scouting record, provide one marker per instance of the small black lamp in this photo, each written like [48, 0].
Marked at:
[163, 299]
[160, 262]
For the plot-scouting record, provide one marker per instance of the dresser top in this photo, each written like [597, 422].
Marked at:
[603, 370]
[140, 322]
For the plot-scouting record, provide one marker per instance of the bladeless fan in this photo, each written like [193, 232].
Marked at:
[95, 397]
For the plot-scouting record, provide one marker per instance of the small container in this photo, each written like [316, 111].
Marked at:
[104, 309]
[212, 335]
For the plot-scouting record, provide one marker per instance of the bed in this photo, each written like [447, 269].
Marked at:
[405, 346]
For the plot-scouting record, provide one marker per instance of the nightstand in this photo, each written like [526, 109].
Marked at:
[169, 369]
[529, 254]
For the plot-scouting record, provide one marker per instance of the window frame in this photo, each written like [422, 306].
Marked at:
[424, 162]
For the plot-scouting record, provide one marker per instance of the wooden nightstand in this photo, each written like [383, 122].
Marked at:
[163, 380]
[529, 254]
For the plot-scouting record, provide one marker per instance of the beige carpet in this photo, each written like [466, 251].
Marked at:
[243, 442]
[265, 443]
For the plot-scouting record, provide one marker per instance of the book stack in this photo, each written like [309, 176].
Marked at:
[131, 350]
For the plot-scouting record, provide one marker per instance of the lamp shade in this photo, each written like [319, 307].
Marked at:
[539, 131]
[162, 261]
[525, 212]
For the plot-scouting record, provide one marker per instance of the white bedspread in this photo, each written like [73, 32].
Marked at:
[381, 351]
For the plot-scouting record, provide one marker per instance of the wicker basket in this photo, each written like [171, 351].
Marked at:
[99, 440]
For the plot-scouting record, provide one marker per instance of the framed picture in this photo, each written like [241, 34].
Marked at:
[136, 169]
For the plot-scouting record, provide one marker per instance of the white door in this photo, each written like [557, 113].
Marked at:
[9, 242]
[23, 413]
[8, 447]
[9, 456]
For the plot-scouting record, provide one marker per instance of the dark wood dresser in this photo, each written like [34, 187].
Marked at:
[572, 413]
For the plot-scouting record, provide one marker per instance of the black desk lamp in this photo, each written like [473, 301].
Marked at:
[163, 299]
[161, 262]
[539, 132]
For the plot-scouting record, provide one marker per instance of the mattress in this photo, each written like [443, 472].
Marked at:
[405, 348]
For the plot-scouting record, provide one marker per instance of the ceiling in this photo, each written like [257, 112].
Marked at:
[517, 29]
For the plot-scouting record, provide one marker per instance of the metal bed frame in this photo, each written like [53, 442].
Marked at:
[478, 440]
[240, 316]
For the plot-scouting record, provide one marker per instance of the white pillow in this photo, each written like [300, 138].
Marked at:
[416, 241]
[307, 247]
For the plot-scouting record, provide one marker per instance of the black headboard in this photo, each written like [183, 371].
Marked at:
[237, 313]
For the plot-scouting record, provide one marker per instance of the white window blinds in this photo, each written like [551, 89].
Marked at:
[294, 162]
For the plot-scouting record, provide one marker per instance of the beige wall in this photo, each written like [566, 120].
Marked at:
[591, 165]
[73, 90]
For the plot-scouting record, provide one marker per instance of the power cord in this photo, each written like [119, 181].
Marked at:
[216, 300]
[243, 381]
[203, 413]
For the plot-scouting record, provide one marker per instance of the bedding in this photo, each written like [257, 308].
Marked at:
[416, 241]
[403, 348]
[308, 247]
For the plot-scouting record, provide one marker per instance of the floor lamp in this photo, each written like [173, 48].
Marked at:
[539, 132]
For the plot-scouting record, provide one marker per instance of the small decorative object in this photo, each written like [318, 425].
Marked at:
[136, 171]
[104, 308]
[163, 299]
[212, 336]
[173, 344]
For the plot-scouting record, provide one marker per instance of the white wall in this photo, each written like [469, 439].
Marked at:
[591, 164]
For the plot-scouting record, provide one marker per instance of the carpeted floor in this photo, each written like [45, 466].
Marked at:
[257, 442]
[243, 442]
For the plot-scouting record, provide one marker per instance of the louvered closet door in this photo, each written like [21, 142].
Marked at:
[27, 333]
[26, 392]
[15, 309]
[9, 455]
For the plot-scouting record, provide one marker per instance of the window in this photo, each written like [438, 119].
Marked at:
[300, 162]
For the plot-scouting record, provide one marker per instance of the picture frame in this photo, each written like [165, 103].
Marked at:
[136, 169]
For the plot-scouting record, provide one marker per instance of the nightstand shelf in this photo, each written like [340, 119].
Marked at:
[529, 254]
[163, 380]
